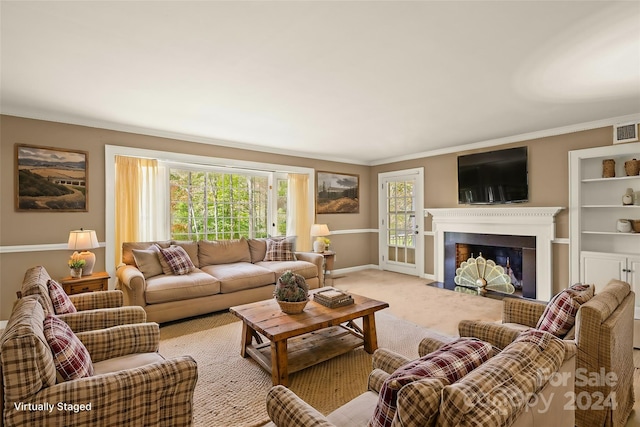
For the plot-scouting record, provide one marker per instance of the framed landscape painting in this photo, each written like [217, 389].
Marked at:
[337, 193]
[51, 179]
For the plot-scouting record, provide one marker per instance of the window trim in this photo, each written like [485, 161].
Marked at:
[111, 151]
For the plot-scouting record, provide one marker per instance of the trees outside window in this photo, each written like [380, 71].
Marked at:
[209, 205]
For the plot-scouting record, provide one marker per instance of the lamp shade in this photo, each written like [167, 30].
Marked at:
[319, 230]
[81, 240]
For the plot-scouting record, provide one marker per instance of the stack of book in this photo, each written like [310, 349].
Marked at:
[332, 298]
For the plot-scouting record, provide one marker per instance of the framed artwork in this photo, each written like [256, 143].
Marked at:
[337, 193]
[51, 179]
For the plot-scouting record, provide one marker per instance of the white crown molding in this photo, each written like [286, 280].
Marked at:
[44, 247]
[515, 138]
[101, 124]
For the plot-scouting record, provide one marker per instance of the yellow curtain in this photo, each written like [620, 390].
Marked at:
[129, 190]
[298, 215]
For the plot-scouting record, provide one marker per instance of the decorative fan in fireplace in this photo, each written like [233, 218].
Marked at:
[484, 275]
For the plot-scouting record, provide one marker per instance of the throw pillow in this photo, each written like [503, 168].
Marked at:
[560, 314]
[148, 261]
[178, 260]
[279, 250]
[59, 298]
[449, 363]
[70, 356]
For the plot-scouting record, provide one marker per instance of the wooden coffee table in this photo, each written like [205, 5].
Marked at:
[297, 341]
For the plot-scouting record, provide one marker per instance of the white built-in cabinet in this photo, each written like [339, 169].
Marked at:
[598, 252]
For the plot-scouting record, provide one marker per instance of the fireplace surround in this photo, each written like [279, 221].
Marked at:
[538, 222]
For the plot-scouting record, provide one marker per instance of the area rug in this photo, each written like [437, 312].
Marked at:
[231, 390]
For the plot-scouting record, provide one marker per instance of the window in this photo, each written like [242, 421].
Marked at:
[215, 205]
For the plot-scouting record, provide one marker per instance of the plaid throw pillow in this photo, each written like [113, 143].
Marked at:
[70, 356]
[449, 363]
[279, 250]
[560, 314]
[61, 302]
[178, 260]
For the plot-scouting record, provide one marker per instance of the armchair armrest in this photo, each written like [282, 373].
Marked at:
[148, 395]
[522, 311]
[96, 300]
[121, 340]
[429, 345]
[377, 377]
[103, 318]
[286, 409]
[388, 361]
[495, 334]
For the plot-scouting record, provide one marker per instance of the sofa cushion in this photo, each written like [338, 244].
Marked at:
[223, 252]
[559, 315]
[70, 356]
[279, 250]
[257, 249]
[166, 288]
[448, 364]
[148, 261]
[127, 247]
[306, 269]
[59, 298]
[178, 260]
[240, 275]
[498, 391]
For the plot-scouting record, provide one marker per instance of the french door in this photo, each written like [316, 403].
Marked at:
[401, 217]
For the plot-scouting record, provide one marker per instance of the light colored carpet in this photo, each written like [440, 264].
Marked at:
[231, 390]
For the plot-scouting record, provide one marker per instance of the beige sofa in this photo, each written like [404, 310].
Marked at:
[227, 273]
[524, 385]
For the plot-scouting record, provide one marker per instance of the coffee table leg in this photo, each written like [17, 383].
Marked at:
[247, 336]
[279, 368]
[370, 335]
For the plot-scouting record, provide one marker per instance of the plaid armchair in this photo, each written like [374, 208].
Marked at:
[603, 334]
[96, 310]
[521, 369]
[131, 385]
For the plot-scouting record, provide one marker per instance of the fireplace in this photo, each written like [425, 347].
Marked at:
[516, 254]
[532, 222]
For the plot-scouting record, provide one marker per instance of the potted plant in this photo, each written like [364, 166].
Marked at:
[291, 292]
[75, 266]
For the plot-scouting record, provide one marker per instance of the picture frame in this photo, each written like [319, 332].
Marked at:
[49, 179]
[337, 193]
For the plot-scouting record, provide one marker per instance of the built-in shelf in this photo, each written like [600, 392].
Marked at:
[612, 206]
[615, 178]
[616, 233]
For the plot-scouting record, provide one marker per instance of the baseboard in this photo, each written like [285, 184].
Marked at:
[339, 271]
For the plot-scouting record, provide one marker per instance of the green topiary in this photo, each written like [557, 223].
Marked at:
[291, 287]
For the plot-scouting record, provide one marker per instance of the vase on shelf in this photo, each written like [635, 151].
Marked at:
[632, 167]
[608, 168]
[75, 272]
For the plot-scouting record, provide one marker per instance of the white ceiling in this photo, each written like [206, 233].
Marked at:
[363, 81]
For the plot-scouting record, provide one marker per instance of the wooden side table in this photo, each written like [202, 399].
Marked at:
[95, 282]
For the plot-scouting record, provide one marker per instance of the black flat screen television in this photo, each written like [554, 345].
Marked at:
[494, 177]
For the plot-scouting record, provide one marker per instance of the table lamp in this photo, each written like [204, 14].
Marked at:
[81, 240]
[319, 231]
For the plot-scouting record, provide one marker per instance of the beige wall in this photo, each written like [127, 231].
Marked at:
[46, 228]
[548, 160]
[548, 185]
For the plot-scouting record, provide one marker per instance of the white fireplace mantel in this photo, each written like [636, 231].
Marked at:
[516, 221]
